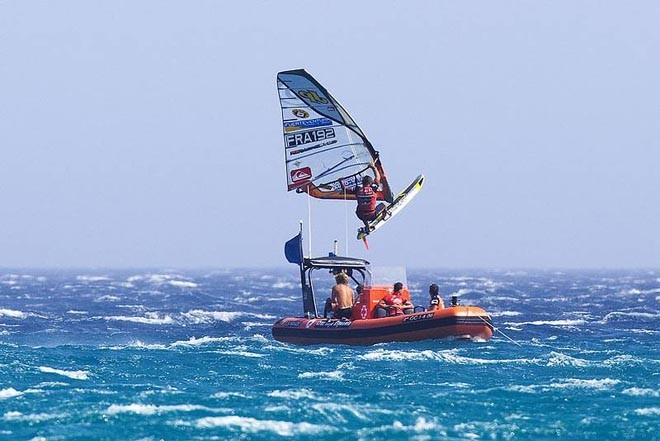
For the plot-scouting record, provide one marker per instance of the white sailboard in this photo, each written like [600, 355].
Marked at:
[392, 209]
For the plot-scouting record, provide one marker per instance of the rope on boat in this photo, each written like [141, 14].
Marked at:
[496, 329]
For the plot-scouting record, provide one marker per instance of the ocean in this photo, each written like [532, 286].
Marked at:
[164, 354]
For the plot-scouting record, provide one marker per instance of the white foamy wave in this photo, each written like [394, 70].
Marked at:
[74, 312]
[294, 394]
[52, 384]
[32, 418]
[421, 426]
[198, 316]
[622, 315]
[223, 395]
[163, 279]
[92, 278]
[627, 360]
[242, 354]
[9, 392]
[150, 318]
[336, 412]
[333, 376]
[637, 292]
[183, 284]
[506, 313]
[249, 325]
[640, 392]
[648, 411]
[549, 323]
[559, 359]
[151, 409]
[448, 356]
[598, 385]
[107, 298]
[12, 313]
[593, 384]
[192, 341]
[252, 425]
[74, 375]
[465, 291]
[283, 285]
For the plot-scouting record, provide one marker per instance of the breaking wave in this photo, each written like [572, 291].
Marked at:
[252, 425]
[9, 392]
[75, 375]
[11, 313]
[151, 409]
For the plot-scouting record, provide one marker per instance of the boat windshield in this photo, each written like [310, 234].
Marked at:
[386, 276]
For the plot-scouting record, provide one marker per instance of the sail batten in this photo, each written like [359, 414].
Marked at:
[326, 152]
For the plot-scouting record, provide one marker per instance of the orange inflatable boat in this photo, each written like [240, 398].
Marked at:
[363, 328]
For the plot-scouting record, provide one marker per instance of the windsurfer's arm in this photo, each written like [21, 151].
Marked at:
[372, 166]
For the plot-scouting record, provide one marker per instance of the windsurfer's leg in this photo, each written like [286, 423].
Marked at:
[380, 208]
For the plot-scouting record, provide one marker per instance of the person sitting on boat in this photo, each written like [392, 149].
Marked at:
[436, 300]
[366, 197]
[342, 297]
[394, 303]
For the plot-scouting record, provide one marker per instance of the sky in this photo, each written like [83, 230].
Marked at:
[148, 134]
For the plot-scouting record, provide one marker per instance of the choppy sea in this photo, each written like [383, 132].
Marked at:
[140, 355]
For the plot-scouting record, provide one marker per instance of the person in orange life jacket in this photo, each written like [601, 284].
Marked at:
[436, 300]
[366, 197]
[394, 302]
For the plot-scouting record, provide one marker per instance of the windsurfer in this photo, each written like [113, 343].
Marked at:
[394, 303]
[366, 197]
[342, 297]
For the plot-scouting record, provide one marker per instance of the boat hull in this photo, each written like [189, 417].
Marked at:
[460, 322]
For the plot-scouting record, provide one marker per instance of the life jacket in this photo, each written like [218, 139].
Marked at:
[366, 199]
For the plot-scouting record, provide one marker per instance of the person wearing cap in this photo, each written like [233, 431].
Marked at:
[436, 300]
[394, 302]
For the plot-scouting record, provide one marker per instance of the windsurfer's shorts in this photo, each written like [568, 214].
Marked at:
[344, 313]
[366, 217]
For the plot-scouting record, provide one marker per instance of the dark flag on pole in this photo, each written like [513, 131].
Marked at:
[293, 250]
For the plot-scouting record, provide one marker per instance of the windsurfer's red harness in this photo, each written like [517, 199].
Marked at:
[366, 202]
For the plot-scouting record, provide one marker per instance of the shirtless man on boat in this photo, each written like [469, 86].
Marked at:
[342, 297]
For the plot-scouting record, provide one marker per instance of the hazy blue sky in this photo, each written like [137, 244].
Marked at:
[149, 133]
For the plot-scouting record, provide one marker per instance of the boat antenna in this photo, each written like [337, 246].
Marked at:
[346, 222]
[309, 221]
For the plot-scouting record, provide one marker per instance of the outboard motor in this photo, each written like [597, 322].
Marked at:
[454, 300]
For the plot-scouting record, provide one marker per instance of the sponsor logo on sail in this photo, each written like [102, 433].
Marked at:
[301, 174]
[292, 126]
[300, 113]
[313, 96]
[309, 136]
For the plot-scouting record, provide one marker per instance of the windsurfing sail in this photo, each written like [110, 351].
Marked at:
[326, 152]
